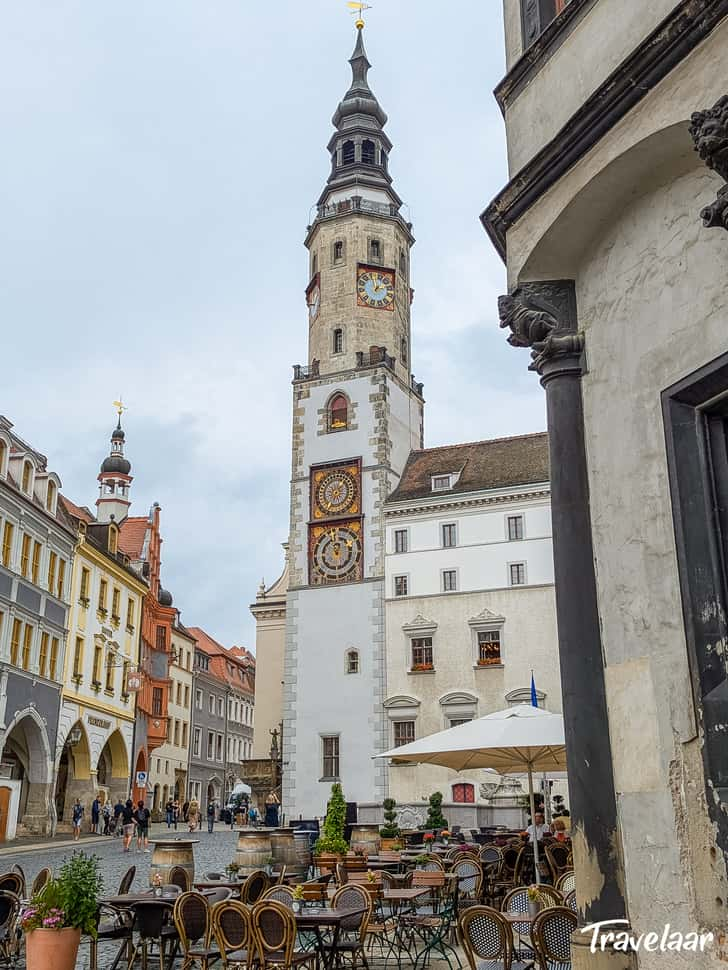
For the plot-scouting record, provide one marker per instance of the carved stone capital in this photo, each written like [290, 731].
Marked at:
[542, 316]
[709, 131]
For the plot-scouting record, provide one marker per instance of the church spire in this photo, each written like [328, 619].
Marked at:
[114, 478]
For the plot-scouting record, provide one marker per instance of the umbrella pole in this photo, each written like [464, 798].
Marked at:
[533, 822]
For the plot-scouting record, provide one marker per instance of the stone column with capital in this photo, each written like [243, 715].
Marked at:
[543, 317]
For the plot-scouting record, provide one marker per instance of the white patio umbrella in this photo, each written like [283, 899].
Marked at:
[520, 738]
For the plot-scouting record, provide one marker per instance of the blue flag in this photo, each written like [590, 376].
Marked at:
[534, 695]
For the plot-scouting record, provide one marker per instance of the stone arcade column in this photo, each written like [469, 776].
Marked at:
[542, 316]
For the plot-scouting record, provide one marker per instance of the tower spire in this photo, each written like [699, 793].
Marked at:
[114, 477]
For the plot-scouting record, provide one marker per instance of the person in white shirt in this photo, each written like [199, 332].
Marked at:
[539, 829]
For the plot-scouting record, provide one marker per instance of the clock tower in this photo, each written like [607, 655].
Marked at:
[357, 414]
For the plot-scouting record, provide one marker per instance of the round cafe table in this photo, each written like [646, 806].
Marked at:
[169, 853]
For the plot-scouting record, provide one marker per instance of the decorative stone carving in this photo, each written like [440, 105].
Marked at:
[542, 316]
[410, 818]
[709, 131]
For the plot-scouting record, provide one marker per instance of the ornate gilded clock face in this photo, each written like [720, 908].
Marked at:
[337, 553]
[336, 492]
[375, 288]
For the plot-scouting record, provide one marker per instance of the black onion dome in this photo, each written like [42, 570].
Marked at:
[116, 463]
[165, 597]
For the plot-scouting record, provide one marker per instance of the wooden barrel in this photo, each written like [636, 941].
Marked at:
[365, 838]
[169, 853]
[283, 844]
[253, 851]
[302, 839]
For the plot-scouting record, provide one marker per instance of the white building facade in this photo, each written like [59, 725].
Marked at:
[470, 606]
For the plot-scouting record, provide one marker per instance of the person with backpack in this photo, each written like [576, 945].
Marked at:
[78, 812]
[168, 811]
[210, 815]
[142, 816]
[127, 819]
[106, 815]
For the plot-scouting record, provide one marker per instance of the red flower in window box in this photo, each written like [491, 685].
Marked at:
[423, 667]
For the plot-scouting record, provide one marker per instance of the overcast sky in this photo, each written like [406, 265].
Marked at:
[159, 164]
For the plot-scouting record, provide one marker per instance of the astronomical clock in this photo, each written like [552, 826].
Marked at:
[375, 287]
[335, 534]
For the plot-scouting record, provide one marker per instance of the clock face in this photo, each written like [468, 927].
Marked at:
[336, 492]
[314, 302]
[375, 288]
[336, 553]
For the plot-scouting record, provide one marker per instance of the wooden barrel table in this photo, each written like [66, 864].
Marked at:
[283, 845]
[302, 839]
[253, 850]
[366, 839]
[169, 853]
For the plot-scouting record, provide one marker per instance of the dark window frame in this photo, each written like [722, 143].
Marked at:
[332, 759]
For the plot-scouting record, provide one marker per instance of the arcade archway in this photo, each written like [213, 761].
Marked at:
[74, 773]
[26, 757]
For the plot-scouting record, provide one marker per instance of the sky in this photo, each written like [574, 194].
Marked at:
[159, 166]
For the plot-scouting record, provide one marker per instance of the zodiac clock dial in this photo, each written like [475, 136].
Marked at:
[337, 553]
[375, 288]
[336, 492]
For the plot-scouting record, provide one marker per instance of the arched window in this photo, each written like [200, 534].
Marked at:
[50, 496]
[3, 456]
[367, 152]
[314, 264]
[375, 249]
[402, 261]
[338, 413]
[463, 793]
[383, 158]
[27, 477]
[352, 661]
[338, 250]
[403, 350]
[347, 153]
[338, 341]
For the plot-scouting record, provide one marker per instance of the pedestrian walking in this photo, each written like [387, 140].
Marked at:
[142, 816]
[210, 816]
[77, 820]
[169, 813]
[127, 821]
[192, 814]
[106, 816]
[185, 810]
[95, 813]
[175, 813]
[253, 816]
[118, 815]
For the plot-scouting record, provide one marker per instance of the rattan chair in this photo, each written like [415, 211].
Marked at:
[274, 935]
[352, 929]
[566, 881]
[254, 886]
[126, 880]
[19, 869]
[151, 924]
[12, 882]
[179, 876]
[281, 894]
[341, 874]
[40, 880]
[9, 912]
[551, 935]
[194, 928]
[470, 882]
[515, 903]
[570, 900]
[557, 857]
[433, 864]
[231, 928]
[487, 939]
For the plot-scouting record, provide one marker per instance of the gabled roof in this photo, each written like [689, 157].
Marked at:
[77, 511]
[478, 466]
[221, 657]
[132, 532]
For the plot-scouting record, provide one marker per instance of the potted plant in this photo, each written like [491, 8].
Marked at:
[389, 832]
[55, 917]
[269, 863]
[445, 836]
[298, 898]
[428, 838]
[435, 819]
[232, 869]
[331, 847]
[535, 899]
[157, 883]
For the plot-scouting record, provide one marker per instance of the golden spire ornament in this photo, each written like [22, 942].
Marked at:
[358, 8]
[120, 407]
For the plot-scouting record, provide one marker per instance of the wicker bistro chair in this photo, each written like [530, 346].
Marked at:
[12, 882]
[352, 933]
[551, 934]
[21, 873]
[281, 894]
[557, 857]
[487, 939]
[566, 881]
[232, 929]
[192, 918]
[9, 913]
[516, 903]
[470, 882]
[40, 880]
[570, 900]
[274, 936]
[178, 876]
[126, 880]
[433, 864]
[254, 886]
[514, 859]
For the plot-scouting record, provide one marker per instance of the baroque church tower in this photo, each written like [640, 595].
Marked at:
[357, 413]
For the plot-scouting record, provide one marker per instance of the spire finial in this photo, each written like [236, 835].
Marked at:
[120, 408]
[358, 8]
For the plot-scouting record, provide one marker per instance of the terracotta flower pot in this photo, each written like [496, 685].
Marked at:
[52, 949]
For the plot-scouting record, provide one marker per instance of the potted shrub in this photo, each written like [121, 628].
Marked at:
[331, 847]
[389, 832]
[435, 818]
[535, 901]
[55, 917]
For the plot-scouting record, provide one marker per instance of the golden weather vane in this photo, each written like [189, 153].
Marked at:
[358, 8]
[120, 407]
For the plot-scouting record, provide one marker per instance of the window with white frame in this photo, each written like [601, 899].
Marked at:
[458, 707]
[421, 650]
[489, 648]
[330, 756]
[449, 580]
[220, 707]
[352, 661]
[487, 632]
[400, 540]
[401, 585]
[449, 532]
[210, 745]
[198, 699]
[211, 703]
[403, 733]
[441, 483]
[514, 525]
[517, 573]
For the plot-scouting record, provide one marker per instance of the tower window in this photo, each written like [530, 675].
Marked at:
[375, 249]
[347, 153]
[367, 152]
[403, 350]
[338, 341]
[338, 413]
[314, 264]
[402, 261]
[383, 158]
[352, 662]
[338, 250]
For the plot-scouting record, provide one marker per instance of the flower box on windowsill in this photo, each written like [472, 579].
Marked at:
[488, 663]
[422, 669]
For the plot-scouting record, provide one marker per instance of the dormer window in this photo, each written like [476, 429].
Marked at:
[3, 457]
[347, 153]
[368, 152]
[50, 497]
[27, 479]
[113, 540]
[441, 483]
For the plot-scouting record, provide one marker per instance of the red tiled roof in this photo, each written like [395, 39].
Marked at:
[77, 511]
[220, 657]
[132, 532]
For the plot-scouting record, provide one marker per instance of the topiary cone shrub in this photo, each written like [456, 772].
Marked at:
[390, 829]
[332, 840]
[435, 818]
